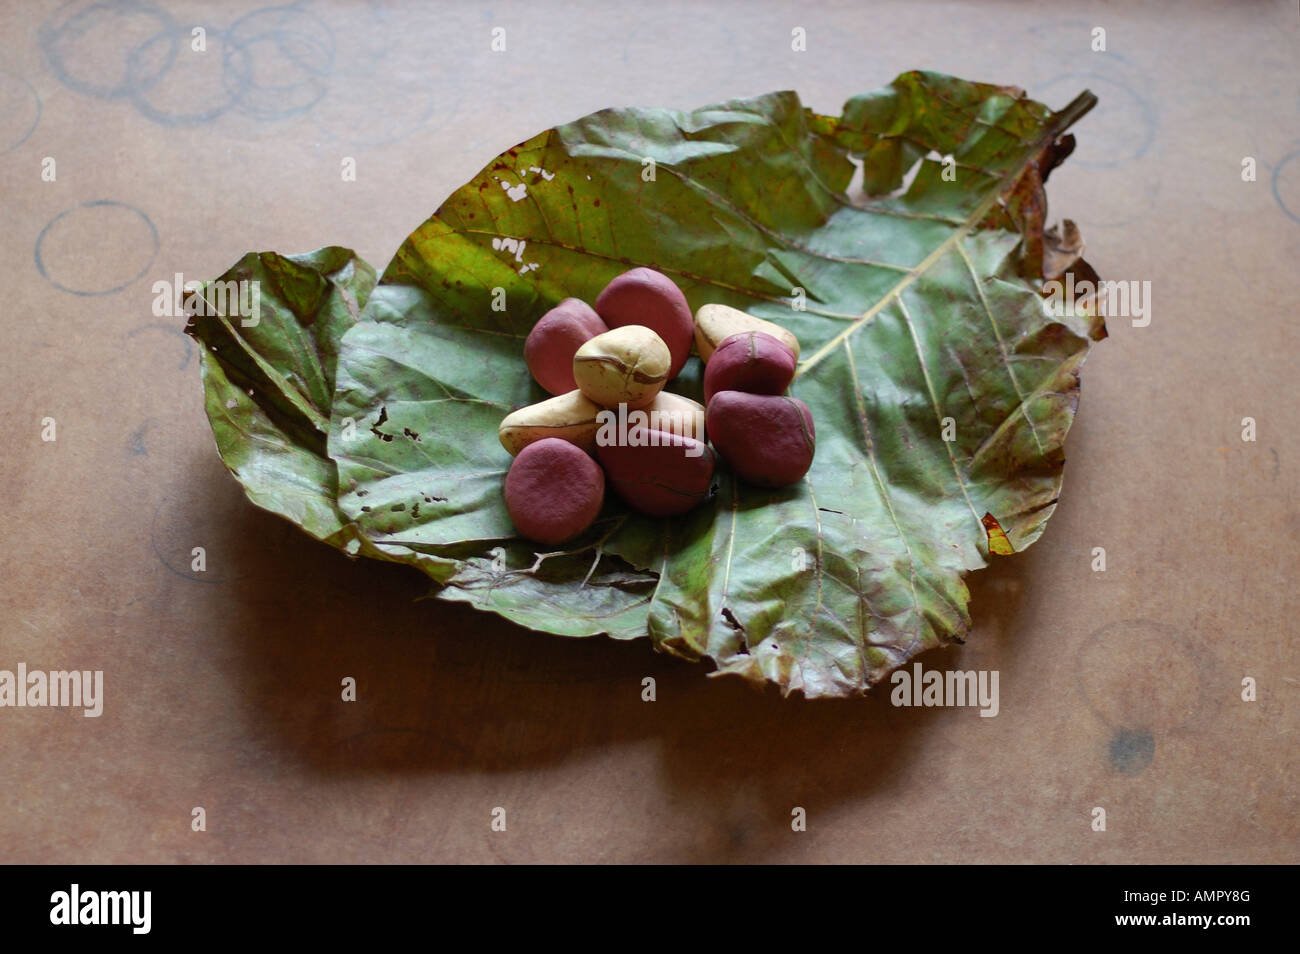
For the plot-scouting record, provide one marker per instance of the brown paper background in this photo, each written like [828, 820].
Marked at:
[222, 688]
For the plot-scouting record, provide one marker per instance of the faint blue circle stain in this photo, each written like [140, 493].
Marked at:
[291, 35]
[1131, 751]
[101, 32]
[1292, 214]
[98, 203]
[141, 98]
[18, 99]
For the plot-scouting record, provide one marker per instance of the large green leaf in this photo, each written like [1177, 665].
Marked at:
[913, 306]
[269, 383]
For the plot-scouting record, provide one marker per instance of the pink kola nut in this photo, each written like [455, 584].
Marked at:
[554, 491]
[750, 361]
[646, 297]
[558, 334]
[663, 480]
[767, 440]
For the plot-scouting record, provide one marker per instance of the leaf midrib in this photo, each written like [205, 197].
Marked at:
[1059, 123]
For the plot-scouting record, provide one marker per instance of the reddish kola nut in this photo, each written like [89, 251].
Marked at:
[558, 334]
[554, 491]
[750, 361]
[658, 473]
[646, 297]
[766, 439]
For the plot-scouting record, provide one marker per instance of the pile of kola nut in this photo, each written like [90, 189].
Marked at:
[611, 419]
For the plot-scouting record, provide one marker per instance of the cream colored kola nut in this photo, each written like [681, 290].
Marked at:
[628, 365]
[676, 414]
[570, 417]
[715, 323]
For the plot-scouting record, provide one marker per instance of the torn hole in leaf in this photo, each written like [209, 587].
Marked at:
[854, 191]
[735, 624]
[383, 416]
[910, 176]
[912, 172]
